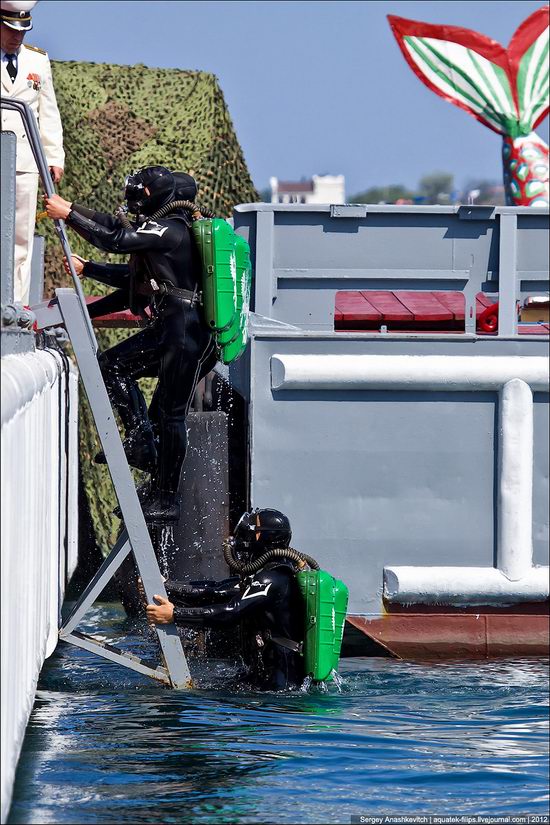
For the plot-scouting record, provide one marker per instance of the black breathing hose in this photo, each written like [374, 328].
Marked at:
[196, 210]
[276, 553]
[123, 218]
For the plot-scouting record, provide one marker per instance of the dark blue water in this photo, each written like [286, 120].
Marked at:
[105, 745]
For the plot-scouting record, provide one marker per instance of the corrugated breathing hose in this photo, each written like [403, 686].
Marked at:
[276, 553]
[123, 218]
[196, 210]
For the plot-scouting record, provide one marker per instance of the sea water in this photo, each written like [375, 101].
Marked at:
[106, 745]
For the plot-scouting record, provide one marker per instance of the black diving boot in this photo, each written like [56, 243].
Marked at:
[161, 508]
[140, 449]
[143, 491]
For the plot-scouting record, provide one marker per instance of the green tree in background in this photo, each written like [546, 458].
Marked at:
[436, 187]
[491, 193]
[383, 194]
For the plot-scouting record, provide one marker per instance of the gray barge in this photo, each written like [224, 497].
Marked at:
[412, 465]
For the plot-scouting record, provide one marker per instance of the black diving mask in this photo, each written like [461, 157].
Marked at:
[134, 193]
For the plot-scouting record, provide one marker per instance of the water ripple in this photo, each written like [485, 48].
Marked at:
[108, 746]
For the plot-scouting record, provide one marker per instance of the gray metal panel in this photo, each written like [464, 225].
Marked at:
[7, 232]
[370, 479]
[302, 255]
[16, 341]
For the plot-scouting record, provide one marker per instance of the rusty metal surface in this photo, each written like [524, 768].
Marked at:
[482, 635]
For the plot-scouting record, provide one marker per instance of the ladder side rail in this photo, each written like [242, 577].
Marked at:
[73, 316]
[106, 571]
[120, 657]
[35, 142]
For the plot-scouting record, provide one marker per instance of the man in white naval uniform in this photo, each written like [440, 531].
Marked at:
[26, 75]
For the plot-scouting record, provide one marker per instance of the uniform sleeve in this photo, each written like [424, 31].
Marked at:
[150, 236]
[49, 120]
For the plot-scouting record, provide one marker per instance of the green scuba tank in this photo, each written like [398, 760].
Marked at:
[326, 601]
[226, 275]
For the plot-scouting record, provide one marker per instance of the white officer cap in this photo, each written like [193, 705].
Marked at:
[16, 14]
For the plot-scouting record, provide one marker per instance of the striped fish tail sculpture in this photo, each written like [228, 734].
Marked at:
[505, 89]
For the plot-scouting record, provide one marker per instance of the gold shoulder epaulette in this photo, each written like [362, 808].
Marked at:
[35, 48]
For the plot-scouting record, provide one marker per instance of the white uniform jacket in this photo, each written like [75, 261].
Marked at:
[34, 86]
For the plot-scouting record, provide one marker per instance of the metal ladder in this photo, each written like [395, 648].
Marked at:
[68, 309]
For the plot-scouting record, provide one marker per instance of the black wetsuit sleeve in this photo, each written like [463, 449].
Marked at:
[150, 236]
[99, 217]
[215, 615]
[117, 275]
[259, 596]
[202, 591]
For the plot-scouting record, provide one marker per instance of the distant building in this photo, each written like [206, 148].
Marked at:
[320, 189]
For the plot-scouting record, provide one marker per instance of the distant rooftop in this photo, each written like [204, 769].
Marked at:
[286, 186]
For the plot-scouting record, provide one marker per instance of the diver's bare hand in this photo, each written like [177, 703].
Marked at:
[78, 264]
[161, 613]
[57, 207]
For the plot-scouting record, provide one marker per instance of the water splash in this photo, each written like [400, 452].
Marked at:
[309, 686]
[166, 542]
[306, 684]
[338, 680]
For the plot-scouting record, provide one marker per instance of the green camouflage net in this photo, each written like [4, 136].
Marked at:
[117, 119]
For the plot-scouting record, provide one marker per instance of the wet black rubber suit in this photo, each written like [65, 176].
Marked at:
[270, 608]
[176, 346]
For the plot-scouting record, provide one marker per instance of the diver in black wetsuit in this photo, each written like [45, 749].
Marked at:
[162, 273]
[267, 602]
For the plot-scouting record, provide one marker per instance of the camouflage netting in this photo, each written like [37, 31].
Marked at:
[115, 120]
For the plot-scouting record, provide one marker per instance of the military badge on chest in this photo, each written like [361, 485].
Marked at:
[33, 81]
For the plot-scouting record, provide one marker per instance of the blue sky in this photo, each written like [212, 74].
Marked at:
[312, 87]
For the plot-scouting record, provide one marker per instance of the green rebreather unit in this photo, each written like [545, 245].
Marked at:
[326, 601]
[226, 277]
[233, 348]
[216, 241]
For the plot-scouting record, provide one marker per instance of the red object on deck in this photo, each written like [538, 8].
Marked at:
[425, 306]
[454, 301]
[355, 307]
[389, 306]
[410, 311]
[488, 320]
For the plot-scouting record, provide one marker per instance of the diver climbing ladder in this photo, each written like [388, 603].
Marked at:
[68, 309]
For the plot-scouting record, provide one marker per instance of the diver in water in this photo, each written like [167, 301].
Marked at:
[163, 275]
[264, 599]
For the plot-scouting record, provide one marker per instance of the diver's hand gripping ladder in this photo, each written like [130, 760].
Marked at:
[69, 310]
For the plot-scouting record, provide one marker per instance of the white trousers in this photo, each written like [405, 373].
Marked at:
[26, 191]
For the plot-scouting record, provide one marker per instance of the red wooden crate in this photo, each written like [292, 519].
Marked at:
[354, 306]
[388, 305]
[425, 306]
